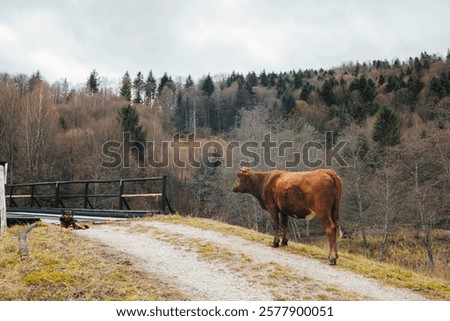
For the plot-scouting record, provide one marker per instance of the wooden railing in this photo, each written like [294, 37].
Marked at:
[30, 192]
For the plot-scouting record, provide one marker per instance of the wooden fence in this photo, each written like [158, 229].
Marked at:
[34, 194]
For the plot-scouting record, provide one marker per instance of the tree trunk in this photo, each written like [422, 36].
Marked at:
[387, 210]
[429, 249]
[425, 225]
[383, 241]
[2, 201]
[361, 215]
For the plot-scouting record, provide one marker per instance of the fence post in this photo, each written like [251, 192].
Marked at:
[2, 201]
[32, 195]
[56, 194]
[163, 194]
[11, 192]
[120, 194]
[86, 189]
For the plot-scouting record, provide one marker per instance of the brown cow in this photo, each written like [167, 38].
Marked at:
[298, 194]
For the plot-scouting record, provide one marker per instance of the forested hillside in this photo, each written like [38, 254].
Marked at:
[393, 115]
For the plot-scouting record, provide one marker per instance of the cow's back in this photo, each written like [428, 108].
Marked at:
[301, 193]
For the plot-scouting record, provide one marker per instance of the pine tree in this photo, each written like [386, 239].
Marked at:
[387, 129]
[35, 79]
[125, 89]
[131, 124]
[327, 93]
[189, 82]
[231, 79]
[138, 86]
[208, 86]
[251, 79]
[150, 87]
[354, 85]
[132, 127]
[264, 82]
[93, 82]
[415, 85]
[164, 81]
[298, 79]
[369, 92]
[393, 83]
[306, 91]
[281, 86]
[288, 102]
[65, 89]
[272, 79]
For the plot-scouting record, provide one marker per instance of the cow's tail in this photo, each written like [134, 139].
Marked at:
[337, 182]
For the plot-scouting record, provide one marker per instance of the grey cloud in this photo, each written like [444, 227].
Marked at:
[200, 37]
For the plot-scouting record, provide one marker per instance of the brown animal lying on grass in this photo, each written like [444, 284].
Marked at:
[67, 221]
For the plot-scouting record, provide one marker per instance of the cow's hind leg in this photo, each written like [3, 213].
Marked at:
[330, 229]
[331, 233]
[284, 226]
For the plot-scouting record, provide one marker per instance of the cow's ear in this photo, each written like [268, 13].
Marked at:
[245, 169]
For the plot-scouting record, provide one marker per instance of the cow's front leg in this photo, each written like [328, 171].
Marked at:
[276, 228]
[284, 226]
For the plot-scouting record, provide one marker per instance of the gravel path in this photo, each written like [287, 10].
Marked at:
[167, 250]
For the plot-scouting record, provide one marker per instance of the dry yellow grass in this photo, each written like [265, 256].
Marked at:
[62, 266]
[435, 288]
[403, 248]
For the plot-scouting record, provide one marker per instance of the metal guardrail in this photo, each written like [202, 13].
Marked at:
[59, 198]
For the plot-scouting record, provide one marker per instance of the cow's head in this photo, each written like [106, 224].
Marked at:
[243, 182]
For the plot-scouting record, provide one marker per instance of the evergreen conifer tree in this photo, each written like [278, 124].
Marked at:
[288, 102]
[125, 88]
[327, 92]
[150, 87]
[387, 129]
[208, 86]
[138, 86]
[93, 82]
[306, 91]
[252, 79]
[35, 79]
[189, 82]
[369, 92]
[164, 80]
[263, 79]
[131, 124]
[298, 79]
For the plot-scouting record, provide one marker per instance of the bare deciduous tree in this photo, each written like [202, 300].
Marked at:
[357, 174]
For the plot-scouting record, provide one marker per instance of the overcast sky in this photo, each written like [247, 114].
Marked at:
[68, 39]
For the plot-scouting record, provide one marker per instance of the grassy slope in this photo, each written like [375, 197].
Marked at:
[63, 266]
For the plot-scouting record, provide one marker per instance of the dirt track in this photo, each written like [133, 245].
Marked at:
[209, 265]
